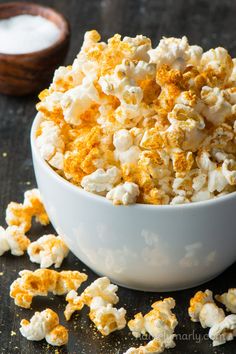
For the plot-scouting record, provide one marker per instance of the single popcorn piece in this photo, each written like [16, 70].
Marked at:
[101, 181]
[45, 325]
[210, 314]
[160, 323]
[48, 250]
[154, 347]
[126, 193]
[228, 299]
[41, 282]
[197, 302]
[224, 331]
[161, 118]
[13, 239]
[20, 215]
[100, 296]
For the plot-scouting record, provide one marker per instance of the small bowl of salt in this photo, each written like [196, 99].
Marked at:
[33, 42]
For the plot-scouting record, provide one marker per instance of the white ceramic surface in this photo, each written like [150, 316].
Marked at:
[145, 247]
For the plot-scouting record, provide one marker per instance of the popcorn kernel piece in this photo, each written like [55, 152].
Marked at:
[160, 323]
[197, 302]
[228, 299]
[13, 239]
[224, 331]
[42, 281]
[21, 214]
[152, 347]
[48, 250]
[46, 325]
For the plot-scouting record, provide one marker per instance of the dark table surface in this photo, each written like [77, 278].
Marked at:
[208, 23]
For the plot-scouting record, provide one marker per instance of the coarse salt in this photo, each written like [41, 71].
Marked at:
[27, 33]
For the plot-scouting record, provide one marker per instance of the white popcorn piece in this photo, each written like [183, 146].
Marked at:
[202, 195]
[204, 162]
[125, 151]
[195, 55]
[179, 200]
[125, 193]
[216, 109]
[228, 299]
[210, 314]
[229, 171]
[171, 51]
[152, 347]
[224, 331]
[219, 62]
[197, 302]
[199, 182]
[78, 100]
[160, 323]
[141, 46]
[45, 325]
[13, 239]
[100, 296]
[50, 141]
[48, 250]
[101, 181]
[216, 180]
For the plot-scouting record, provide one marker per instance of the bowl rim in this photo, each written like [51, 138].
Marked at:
[64, 31]
[49, 170]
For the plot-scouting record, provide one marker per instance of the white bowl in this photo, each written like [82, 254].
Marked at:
[144, 247]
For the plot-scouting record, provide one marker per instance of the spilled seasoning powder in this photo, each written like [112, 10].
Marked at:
[27, 33]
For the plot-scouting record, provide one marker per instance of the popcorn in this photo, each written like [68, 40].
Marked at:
[46, 325]
[154, 346]
[228, 299]
[203, 309]
[224, 331]
[160, 323]
[42, 281]
[197, 302]
[162, 119]
[13, 239]
[21, 214]
[217, 109]
[48, 250]
[101, 181]
[100, 296]
[125, 193]
[171, 51]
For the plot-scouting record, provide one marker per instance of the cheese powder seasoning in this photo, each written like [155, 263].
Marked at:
[27, 33]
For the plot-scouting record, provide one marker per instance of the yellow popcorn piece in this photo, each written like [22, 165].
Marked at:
[154, 346]
[46, 325]
[43, 281]
[197, 302]
[20, 215]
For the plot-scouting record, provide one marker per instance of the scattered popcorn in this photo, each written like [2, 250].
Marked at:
[160, 323]
[21, 214]
[48, 250]
[46, 325]
[161, 118]
[203, 309]
[100, 296]
[126, 193]
[41, 282]
[228, 299]
[154, 346]
[13, 239]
